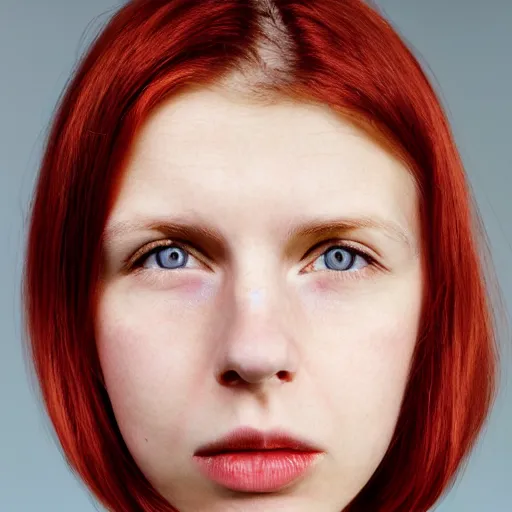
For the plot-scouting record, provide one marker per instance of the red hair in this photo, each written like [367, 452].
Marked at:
[339, 53]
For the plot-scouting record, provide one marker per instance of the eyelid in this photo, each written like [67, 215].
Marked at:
[320, 248]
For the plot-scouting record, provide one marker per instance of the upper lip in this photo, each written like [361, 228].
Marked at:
[247, 438]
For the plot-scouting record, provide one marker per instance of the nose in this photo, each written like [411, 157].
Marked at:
[257, 347]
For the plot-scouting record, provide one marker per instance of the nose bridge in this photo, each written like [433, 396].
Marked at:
[256, 280]
[257, 342]
[257, 293]
[255, 299]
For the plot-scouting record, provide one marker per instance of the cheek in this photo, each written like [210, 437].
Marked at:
[146, 354]
[148, 341]
[363, 352]
[371, 367]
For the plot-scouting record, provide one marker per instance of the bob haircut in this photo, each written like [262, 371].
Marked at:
[340, 53]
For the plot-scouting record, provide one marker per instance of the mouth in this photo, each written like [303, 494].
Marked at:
[248, 460]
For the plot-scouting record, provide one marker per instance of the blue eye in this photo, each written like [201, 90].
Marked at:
[168, 257]
[341, 258]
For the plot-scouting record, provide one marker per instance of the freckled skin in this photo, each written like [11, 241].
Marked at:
[165, 336]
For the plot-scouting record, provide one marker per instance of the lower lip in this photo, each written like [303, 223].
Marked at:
[256, 471]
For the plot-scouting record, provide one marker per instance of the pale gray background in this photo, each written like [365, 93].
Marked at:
[467, 45]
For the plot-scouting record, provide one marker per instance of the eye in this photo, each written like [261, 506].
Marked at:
[343, 261]
[340, 259]
[166, 257]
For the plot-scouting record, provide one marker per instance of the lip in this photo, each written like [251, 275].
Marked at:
[249, 460]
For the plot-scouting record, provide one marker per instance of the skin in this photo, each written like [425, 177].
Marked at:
[314, 346]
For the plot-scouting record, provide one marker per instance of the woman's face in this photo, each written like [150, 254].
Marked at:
[257, 322]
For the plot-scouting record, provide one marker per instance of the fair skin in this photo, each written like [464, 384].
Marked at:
[317, 346]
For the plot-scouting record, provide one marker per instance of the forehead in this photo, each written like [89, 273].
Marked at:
[210, 153]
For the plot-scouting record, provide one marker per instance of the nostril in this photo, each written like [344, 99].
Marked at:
[230, 377]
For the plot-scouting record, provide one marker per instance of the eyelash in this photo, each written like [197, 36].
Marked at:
[154, 247]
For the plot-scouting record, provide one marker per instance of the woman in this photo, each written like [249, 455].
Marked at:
[262, 287]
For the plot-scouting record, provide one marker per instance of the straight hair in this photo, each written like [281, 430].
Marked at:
[340, 53]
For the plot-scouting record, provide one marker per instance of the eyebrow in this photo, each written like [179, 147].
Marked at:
[200, 232]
